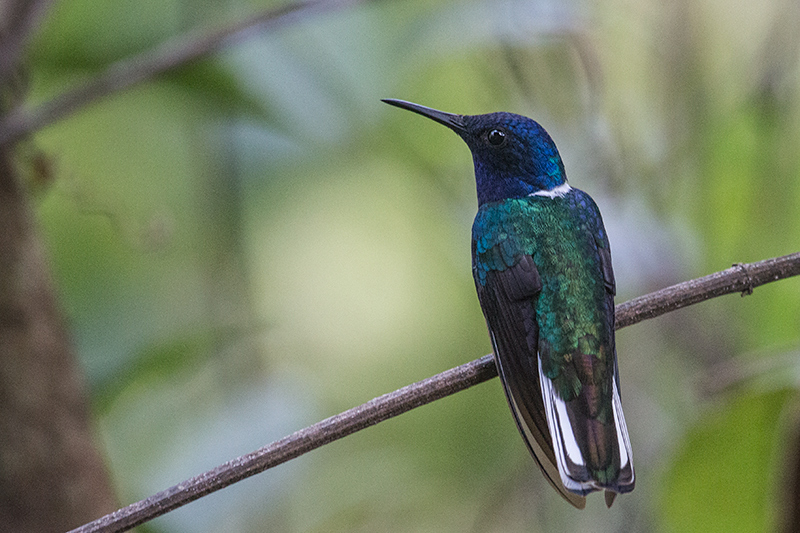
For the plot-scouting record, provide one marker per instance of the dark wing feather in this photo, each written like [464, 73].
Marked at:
[608, 271]
[508, 300]
[626, 469]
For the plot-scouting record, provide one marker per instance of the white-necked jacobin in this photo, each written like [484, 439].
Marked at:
[542, 268]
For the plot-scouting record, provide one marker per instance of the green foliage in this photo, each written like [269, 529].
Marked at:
[89, 34]
[725, 473]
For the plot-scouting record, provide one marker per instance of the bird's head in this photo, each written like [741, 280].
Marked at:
[514, 156]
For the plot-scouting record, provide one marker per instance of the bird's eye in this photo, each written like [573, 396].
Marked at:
[496, 137]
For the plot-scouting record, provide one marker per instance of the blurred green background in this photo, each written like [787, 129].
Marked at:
[255, 242]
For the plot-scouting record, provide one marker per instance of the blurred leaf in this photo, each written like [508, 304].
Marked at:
[217, 89]
[90, 34]
[723, 475]
[163, 360]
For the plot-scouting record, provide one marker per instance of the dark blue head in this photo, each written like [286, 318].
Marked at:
[513, 155]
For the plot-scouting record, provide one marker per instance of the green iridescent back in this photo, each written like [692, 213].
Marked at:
[565, 237]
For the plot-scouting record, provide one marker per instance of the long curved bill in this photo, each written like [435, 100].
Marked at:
[451, 120]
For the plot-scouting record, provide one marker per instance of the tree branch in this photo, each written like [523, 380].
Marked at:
[19, 19]
[128, 72]
[740, 278]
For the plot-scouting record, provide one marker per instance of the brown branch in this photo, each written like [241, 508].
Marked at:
[20, 18]
[128, 72]
[741, 278]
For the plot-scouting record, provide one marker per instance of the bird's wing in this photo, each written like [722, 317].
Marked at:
[508, 299]
[627, 476]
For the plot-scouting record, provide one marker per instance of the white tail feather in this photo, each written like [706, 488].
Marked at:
[569, 459]
[626, 455]
[568, 456]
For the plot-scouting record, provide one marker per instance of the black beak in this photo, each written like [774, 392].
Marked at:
[452, 121]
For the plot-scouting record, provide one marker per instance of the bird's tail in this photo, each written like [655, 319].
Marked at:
[591, 455]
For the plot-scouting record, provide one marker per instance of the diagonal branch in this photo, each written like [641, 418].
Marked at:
[740, 278]
[129, 72]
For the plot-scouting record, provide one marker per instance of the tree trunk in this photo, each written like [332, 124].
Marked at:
[52, 477]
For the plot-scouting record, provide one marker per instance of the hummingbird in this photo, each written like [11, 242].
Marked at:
[541, 262]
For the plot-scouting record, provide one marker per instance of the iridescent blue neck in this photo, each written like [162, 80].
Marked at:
[493, 187]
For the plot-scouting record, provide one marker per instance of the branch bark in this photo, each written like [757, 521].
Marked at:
[129, 72]
[740, 278]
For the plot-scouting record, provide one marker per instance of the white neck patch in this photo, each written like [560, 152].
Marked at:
[560, 190]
